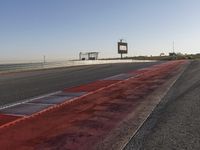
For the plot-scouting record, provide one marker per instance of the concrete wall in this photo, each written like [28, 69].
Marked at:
[33, 66]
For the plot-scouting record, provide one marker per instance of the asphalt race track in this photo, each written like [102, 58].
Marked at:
[103, 114]
[24, 85]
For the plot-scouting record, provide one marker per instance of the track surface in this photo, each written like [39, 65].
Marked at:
[87, 121]
[175, 122]
[19, 86]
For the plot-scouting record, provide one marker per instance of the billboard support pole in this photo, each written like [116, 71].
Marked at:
[121, 55]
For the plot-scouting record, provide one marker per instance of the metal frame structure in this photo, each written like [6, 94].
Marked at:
[88, 56]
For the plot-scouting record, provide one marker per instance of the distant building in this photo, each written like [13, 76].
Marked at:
[88, 56]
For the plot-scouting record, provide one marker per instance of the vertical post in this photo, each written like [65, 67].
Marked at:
[80, 56]
[44, 59]
[97, 55]
[89, 56]
[121, 42]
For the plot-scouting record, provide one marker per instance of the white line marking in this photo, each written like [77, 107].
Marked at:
[39, 104]
[18, 115]
[28, 100]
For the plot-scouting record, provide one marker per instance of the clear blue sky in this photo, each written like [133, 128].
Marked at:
[61, 29]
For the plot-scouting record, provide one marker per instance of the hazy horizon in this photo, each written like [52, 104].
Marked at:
[61, 29]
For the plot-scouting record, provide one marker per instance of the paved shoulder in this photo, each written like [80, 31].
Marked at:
[175, 122]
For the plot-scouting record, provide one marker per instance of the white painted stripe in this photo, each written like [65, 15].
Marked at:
[29, 100]
[39, 104]
[17, 115]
